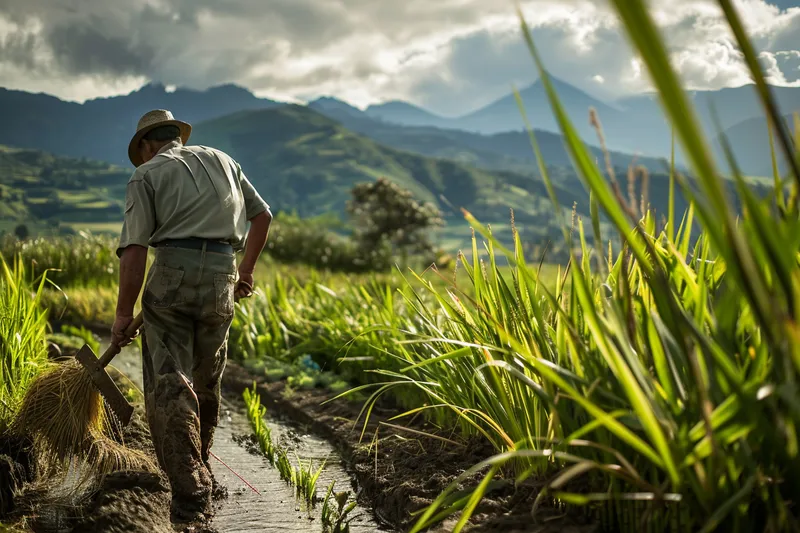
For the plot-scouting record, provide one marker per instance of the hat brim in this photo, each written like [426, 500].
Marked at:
[133, 146]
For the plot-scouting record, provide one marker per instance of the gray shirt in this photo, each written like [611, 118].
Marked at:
[189, 191]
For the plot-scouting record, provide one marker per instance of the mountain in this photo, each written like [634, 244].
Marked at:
[502, 151]
[303, 161]
[397, 112]
[504, 114]
[335, 107]
[734, 105]
[750, 142]
[634, 125]
[101, 128]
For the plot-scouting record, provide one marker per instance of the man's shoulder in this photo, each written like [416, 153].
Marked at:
[209, 150]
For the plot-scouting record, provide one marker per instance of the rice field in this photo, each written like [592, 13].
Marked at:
[655, 383]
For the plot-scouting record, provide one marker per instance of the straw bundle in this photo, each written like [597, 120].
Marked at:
[64, 415]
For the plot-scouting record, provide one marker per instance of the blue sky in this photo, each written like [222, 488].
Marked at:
[450, 56]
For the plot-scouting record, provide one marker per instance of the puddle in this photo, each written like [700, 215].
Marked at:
[276, 509]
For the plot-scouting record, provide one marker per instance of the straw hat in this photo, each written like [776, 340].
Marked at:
[150, 120]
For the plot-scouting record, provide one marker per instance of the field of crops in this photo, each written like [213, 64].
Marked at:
[657, 383]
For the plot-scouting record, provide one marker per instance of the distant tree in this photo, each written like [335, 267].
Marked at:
[385, 213]
[22, 232]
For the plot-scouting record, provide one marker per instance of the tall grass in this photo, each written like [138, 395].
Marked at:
[668, 371]
[23, 329]
[81, 260]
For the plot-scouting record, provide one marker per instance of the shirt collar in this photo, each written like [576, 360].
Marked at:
[170, 146]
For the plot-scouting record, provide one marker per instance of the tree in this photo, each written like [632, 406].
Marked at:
[21, 231]
[385, 213]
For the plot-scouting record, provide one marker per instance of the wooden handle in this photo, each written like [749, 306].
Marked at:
[114, 349]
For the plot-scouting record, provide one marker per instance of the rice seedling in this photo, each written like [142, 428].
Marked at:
[285, 468]
[302, 477]
[335, 519]
[80, 260]
[306, 479]
[255, 414]
[84, 334]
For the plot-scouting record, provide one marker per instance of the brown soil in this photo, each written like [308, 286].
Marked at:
[408, 471]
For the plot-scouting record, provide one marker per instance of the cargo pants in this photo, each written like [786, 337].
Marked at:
[188, 307]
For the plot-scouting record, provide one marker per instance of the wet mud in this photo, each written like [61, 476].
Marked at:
[237, 507]
[135, 502]
[400, 472]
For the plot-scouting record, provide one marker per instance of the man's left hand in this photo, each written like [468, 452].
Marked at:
[118, 336]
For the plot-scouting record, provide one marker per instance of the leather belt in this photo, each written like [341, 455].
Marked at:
[197, 244]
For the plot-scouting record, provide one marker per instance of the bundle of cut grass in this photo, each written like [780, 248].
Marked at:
[64, 415]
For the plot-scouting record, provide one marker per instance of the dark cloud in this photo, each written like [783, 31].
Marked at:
[19, 49]
[82, 49]
[452, 55]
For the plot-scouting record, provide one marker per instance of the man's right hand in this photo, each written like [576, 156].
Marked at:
[244, 287]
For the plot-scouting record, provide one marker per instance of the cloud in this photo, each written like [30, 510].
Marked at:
[451, 55]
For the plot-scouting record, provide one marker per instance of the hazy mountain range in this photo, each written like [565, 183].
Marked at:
[634, 125]
[491, 137]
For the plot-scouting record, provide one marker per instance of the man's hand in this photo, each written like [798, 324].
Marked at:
[256, 238]
[118, 335]
[244, 287]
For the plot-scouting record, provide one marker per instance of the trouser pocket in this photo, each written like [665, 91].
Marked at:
[224, 285]
[162, 285]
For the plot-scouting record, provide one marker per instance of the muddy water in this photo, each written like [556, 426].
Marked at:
[275, 509]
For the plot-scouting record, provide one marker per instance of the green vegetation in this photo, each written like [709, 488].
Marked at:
[667, 371]
[80, 260]
[23, 330]
[334, 519]
[653, 379]
[302, 477]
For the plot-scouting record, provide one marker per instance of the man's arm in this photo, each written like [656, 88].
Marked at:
[132, 266]
[256, 239]
[137, 228]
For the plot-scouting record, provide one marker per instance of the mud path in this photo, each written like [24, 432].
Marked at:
[276, 509]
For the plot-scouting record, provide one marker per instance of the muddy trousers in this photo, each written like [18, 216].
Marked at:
[188, 308]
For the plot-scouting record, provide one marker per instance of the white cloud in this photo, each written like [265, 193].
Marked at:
[452, 55]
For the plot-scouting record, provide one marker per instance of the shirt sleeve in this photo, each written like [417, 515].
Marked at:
[140, 217]
[253, 203]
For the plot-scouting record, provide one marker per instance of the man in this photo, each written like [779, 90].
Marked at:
[191, 204]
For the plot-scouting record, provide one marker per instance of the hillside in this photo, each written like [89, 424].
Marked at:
[303, 161]
[399, 112]
[307, 162]
[50, 190]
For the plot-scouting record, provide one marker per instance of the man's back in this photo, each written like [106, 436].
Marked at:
[189, 191]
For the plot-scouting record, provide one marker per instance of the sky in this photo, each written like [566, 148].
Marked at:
[450, 56]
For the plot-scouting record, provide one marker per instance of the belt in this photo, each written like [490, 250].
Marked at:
[197, 244]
